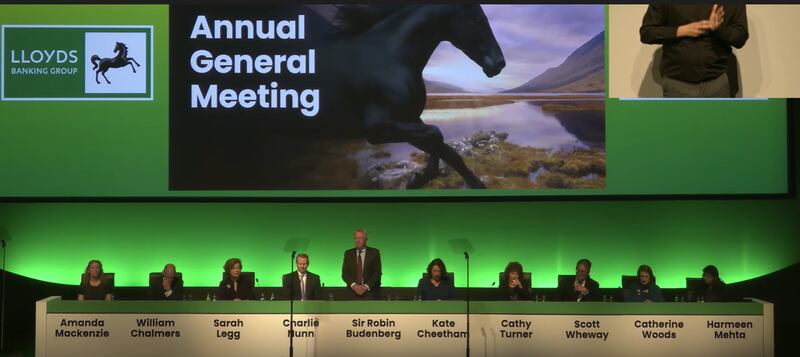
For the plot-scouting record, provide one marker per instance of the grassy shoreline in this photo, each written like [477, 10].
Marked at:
[469, 101]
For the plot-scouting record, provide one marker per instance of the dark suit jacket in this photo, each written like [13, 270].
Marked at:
[372, 268]
[567, 291]
[244, 289]
[312, 286]
[157, 290]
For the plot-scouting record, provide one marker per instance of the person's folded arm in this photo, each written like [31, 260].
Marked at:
[654, 28]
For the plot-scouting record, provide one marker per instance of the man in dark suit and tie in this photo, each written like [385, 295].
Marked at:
[583, 287]
[361, 268]
[302, 282]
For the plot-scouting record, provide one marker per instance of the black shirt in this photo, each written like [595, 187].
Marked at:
[694, 59]
[90, 292]
[712, 293]
[244, 289]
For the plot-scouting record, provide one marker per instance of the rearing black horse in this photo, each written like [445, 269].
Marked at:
[387, 48]
[101, 65]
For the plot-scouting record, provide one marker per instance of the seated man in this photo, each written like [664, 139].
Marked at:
[583, 287]
[301, 283]
[168, 287]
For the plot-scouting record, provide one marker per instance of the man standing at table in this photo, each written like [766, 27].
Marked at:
[361, 268]
[303, 284]
[583, 288]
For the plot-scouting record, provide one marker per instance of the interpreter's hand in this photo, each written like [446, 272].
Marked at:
[716, 18]
[648, 300]
[237, 299]
[515, 283]
[694, 29]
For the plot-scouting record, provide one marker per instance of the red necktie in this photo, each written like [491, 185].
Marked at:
[359, 268]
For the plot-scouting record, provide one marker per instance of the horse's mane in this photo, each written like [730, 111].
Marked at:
[356, 19]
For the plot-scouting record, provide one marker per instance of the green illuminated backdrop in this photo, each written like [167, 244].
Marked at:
[744, 239]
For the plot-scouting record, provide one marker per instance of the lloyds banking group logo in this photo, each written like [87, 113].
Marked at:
[76, 62]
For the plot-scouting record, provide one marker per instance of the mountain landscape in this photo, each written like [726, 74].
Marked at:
[582, 72]
[442, 87]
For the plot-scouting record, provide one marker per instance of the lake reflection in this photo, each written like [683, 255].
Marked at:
[571, 126]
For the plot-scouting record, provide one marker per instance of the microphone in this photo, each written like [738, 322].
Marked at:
[466, 255]
[4, 236]
[291, 305]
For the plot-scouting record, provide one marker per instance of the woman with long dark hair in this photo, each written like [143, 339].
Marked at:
[713, 288]
[234, 286]
[645, 288]
[512, 286]
[437, 285]
[94, 286]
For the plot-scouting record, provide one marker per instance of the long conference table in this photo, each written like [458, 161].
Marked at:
[402, 328]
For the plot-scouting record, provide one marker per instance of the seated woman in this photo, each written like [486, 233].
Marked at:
[713, 288]
[234, 286]
[645, 289]
[511, 286]
[438, 285]
[93, 286]
[169, 287]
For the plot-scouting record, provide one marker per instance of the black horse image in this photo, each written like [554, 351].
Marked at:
[369, 63]
[381, 52]
[118, 61]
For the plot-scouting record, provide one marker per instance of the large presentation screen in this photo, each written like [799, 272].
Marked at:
[361, 101]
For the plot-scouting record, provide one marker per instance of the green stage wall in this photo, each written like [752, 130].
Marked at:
[745, 239]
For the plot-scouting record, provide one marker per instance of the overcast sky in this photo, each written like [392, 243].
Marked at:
[533, 38]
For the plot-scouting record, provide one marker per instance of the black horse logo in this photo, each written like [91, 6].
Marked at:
[118, 61]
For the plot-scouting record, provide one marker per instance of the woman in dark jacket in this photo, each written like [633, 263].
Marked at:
[713, 288]
[645, 288]
[511, 284]
[234, 286]
[437, 285]
[94, 285]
